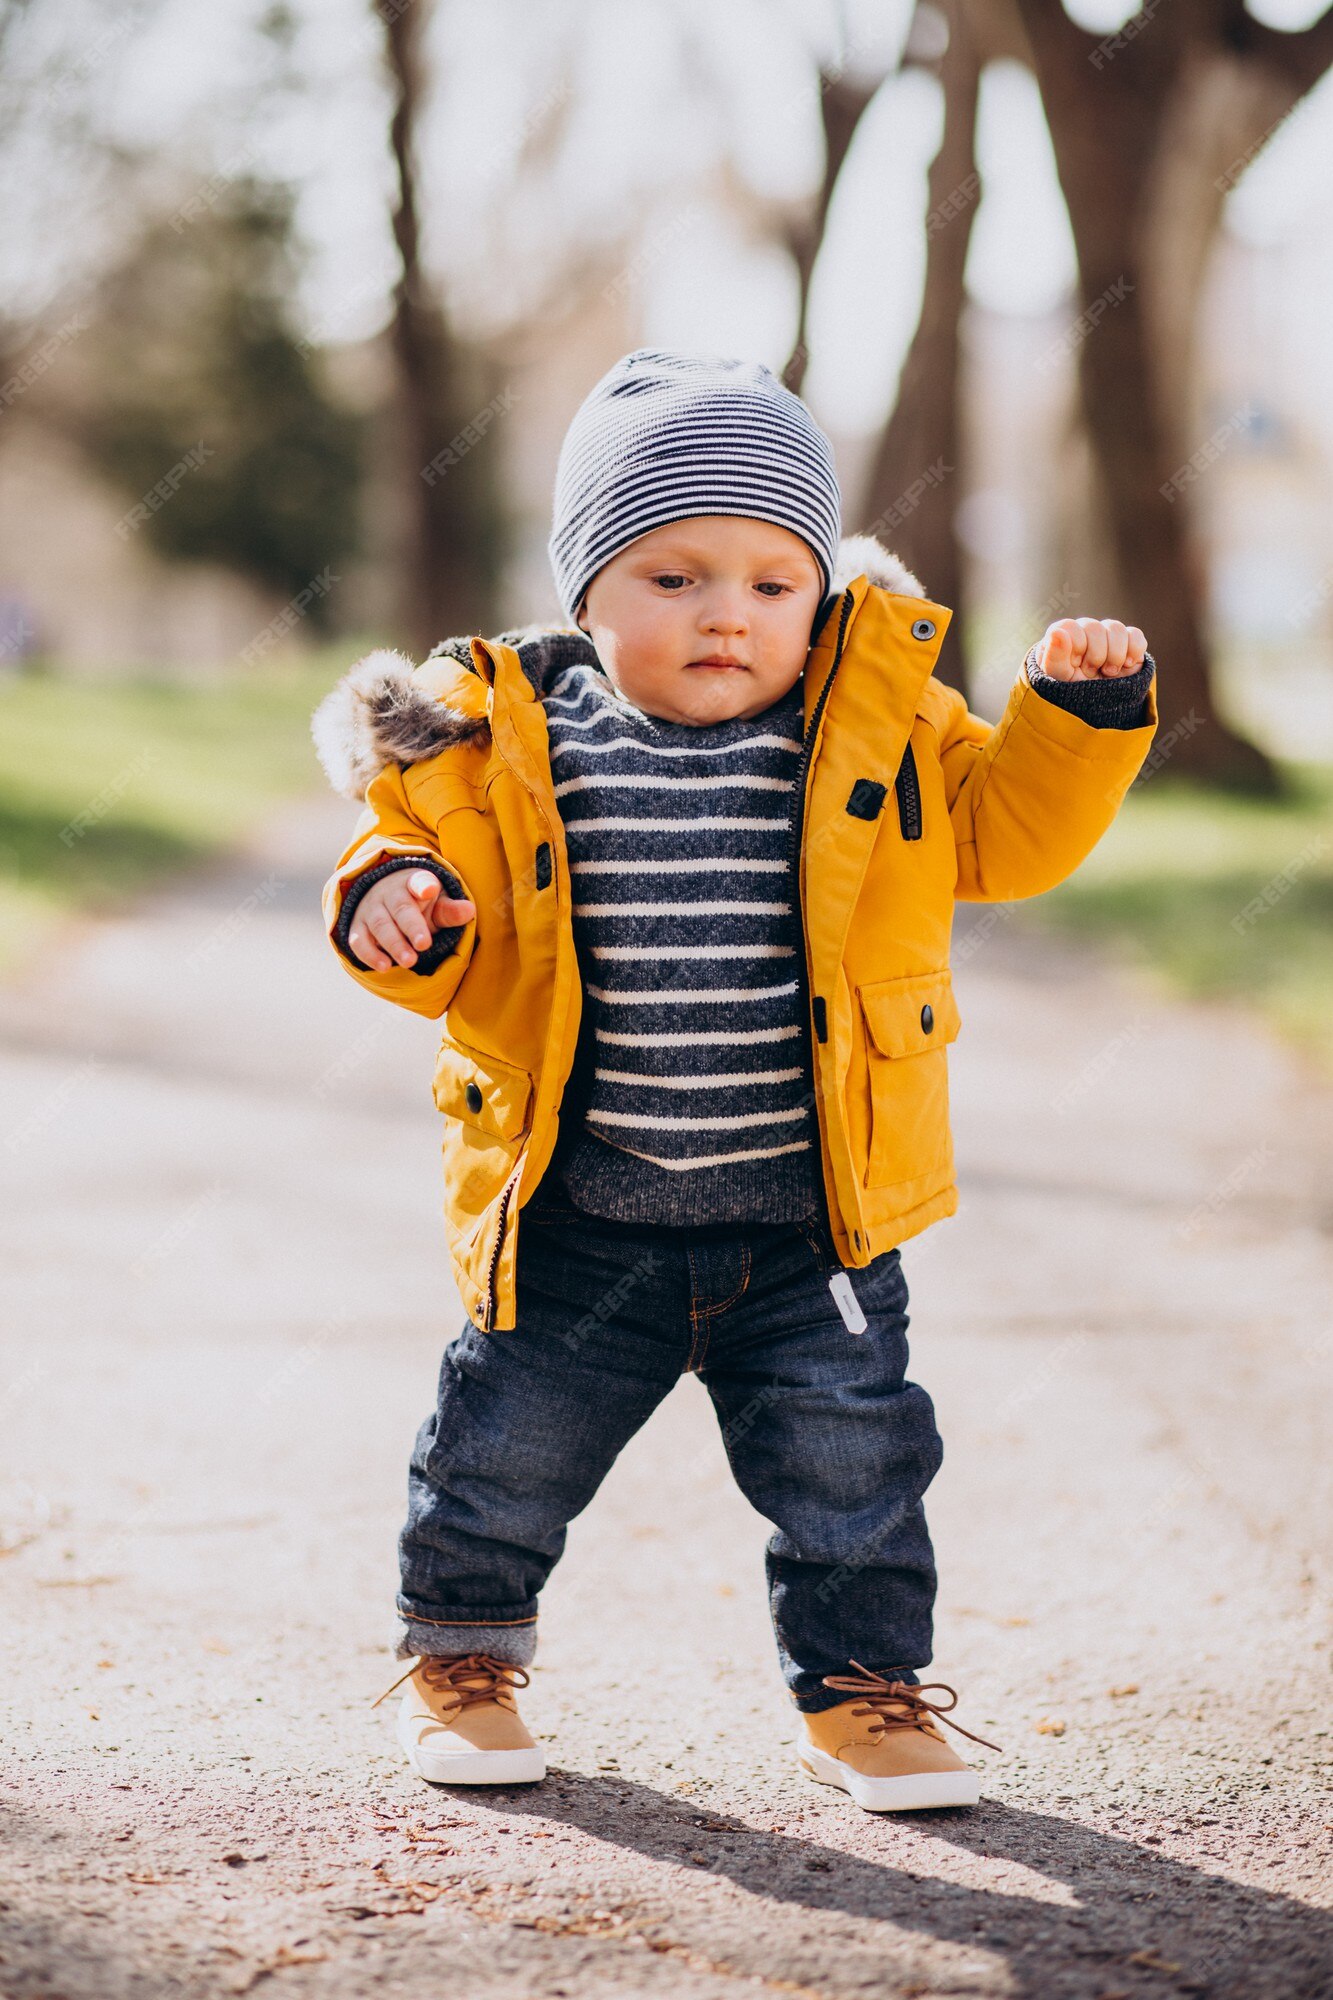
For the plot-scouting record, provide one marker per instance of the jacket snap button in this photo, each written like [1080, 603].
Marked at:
[924, 628]
[473, 1096]
[927, 1017]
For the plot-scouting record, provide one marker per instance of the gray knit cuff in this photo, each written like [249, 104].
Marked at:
[1119, 703]
[445, 941]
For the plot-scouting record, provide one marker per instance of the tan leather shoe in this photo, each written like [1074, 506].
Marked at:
[458, 1722]
[883, 1747]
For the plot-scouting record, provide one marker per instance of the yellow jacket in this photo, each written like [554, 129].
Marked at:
[910, 802]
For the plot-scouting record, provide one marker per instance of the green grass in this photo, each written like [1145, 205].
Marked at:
[1171, 885]
[109, 787]
[172, 773]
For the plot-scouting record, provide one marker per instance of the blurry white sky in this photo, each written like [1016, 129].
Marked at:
[643, 117]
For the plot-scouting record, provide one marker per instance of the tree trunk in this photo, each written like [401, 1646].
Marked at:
[451, 406]
[914, 483]
[1140, 123]
[841, 105]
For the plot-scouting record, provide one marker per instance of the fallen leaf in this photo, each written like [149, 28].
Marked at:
[1152, 1960]
[285, 1955]
[1118, 1694]
[72, 1582]
[1049, 1727]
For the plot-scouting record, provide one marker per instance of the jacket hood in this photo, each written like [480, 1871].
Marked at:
[382, 711]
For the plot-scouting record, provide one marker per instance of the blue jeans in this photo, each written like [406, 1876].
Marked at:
[824, 1435]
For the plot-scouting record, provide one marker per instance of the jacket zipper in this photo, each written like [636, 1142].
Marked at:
[908, 788]
[506, 1194]
[807, 751]
[794, 875]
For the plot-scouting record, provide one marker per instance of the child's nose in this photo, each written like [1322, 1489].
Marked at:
[724, 615]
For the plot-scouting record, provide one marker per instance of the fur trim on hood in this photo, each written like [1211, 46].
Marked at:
[382, 712]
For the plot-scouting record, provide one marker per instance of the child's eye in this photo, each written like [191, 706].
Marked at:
[668, 577]
[782, 589]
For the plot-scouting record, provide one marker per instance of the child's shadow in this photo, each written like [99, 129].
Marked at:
[1133, 1920]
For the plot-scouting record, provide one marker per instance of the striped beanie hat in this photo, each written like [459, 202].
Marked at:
[663, 436]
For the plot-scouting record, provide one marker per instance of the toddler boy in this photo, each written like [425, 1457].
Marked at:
[679, 878]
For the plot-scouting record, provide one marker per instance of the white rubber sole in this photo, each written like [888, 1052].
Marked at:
[470, 1767]
[919, 1791]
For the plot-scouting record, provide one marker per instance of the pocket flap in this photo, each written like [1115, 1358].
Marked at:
[896, 1013]
[481, 1090]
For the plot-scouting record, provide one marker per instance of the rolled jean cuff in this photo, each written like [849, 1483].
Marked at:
[511, 1639]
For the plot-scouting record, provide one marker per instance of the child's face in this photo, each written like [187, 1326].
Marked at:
[715, 584]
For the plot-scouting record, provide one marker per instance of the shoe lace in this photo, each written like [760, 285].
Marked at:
[470, 1677]
[894, 1704]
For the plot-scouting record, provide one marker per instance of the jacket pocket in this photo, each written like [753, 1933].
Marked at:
[909, 1024]
[487, 1105]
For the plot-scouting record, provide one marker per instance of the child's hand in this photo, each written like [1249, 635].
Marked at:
[398, 915]
[1085, 649]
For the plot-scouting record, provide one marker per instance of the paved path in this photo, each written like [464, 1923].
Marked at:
[224, 1294]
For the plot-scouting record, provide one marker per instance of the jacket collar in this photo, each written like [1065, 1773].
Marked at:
[384, 710]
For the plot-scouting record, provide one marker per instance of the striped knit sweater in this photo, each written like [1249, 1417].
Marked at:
[698, 1106]
[691, 1098]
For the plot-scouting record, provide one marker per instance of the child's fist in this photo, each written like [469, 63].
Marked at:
[399, 914]
[1084, 649]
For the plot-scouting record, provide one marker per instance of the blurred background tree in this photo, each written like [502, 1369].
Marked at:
[194, 353]
[1151, 127]
[298, 300]
[445, 385]
[370, 255]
